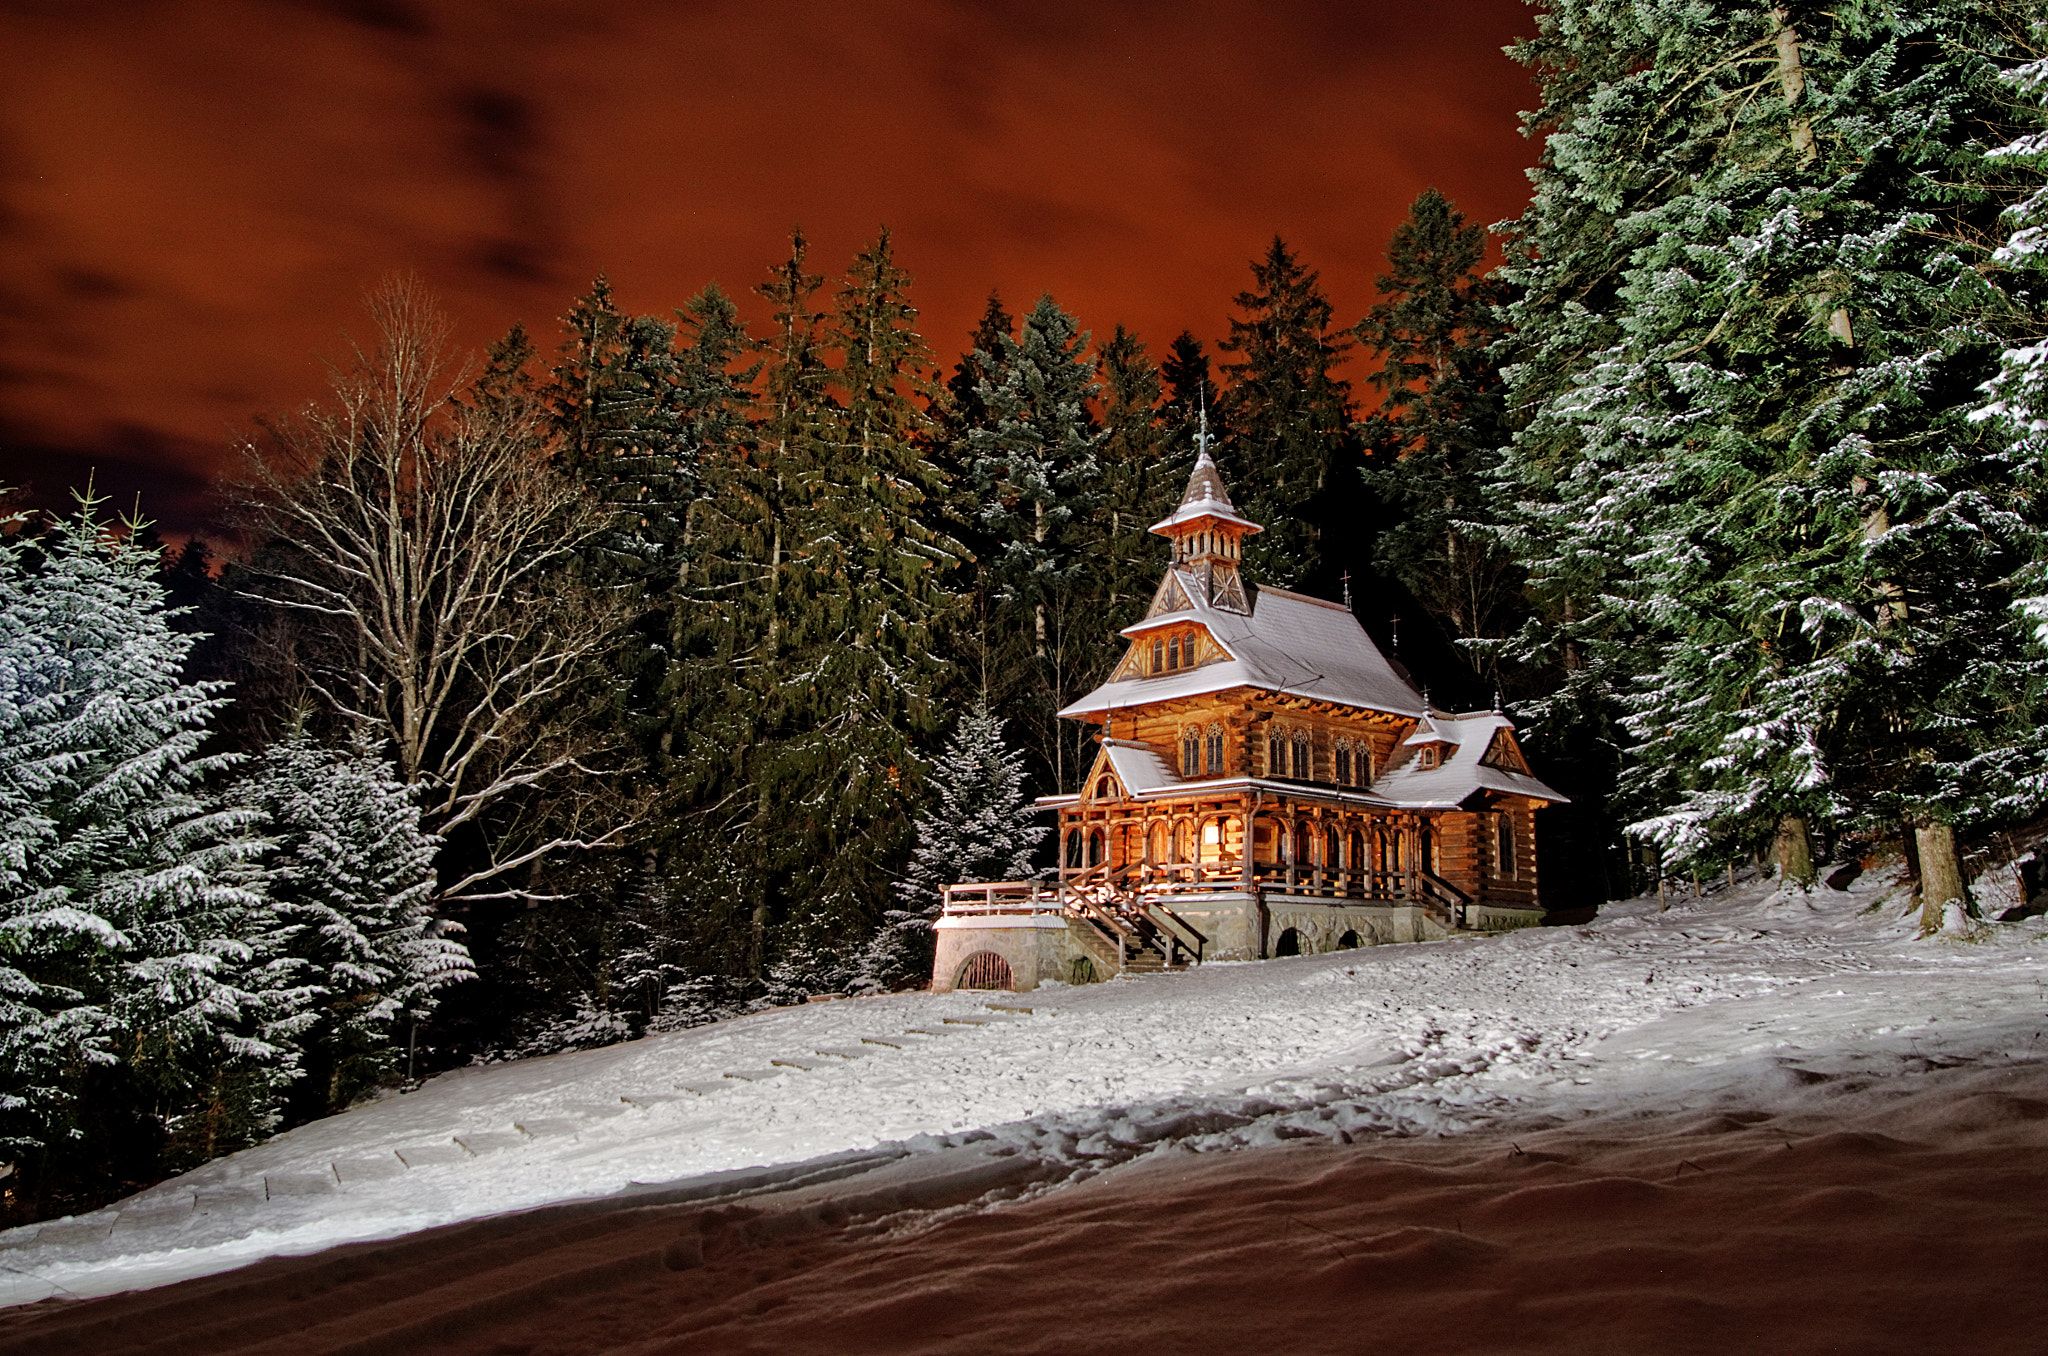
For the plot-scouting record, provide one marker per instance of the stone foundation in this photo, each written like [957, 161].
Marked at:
[1036, 947]
[1047, 946]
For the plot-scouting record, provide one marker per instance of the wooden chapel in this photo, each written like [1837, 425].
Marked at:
[1268, 784]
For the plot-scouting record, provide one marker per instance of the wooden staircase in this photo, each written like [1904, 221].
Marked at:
[1129, 932]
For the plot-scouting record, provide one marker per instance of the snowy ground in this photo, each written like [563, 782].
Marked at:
[1662, 1009]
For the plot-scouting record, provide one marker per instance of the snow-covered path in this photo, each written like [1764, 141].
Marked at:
[1402, 1039]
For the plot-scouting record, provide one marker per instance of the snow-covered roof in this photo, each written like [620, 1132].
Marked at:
[1426, 731]
[1460, 773]
[1289, 643]
[1147, 774]
[1138, 766]
[1205, 498]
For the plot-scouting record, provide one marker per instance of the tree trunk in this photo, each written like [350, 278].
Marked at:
[1792, 80]
[1941, 872]
[1793, 852]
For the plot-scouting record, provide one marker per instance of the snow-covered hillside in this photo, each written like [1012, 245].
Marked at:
[1641, 1006]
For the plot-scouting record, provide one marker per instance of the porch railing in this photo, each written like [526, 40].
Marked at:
[1127, 907]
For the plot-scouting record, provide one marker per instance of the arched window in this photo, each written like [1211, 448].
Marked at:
[1191, 752]
[1158, 655]
[1173, 653]
[1304, 765]
[1505, 834]
[1427, 758]
[1276, 754]
[1215, 750]
[1344, 762]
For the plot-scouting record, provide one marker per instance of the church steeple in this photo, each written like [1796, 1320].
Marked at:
[1208, 534]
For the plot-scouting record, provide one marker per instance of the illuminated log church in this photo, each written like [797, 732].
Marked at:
[1268, 784]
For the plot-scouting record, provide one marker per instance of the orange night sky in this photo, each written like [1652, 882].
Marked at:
[195, 193]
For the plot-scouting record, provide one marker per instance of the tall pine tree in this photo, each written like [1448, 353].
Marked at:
[1036, 477]
[134, 1014]
[1288, 448]
[1435, 439]
[1142, 476]
[1756, 313]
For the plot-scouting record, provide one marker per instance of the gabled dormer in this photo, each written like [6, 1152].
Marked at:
[1429, 744]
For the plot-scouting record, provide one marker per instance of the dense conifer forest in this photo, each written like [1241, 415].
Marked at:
[651, 668]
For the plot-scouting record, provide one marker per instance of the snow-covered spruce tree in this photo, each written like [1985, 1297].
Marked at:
[979, 825]
[350, 923]
[2018, 404]
[1035, 472]
[130, 1002]
[1755, 315]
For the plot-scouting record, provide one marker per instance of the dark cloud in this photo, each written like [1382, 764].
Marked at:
[386, 16]
[196, 193]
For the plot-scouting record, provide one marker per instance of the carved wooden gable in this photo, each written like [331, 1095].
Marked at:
[1505, 753]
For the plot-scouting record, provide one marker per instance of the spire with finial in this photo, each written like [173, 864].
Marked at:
[1208, 535]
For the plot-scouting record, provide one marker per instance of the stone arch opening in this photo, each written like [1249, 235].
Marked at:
[985, 970]
[1288, 943]
[1348, 942]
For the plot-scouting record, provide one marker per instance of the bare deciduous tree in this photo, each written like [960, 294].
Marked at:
[418, 526]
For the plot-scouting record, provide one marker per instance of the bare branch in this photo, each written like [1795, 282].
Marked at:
[422, 532]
